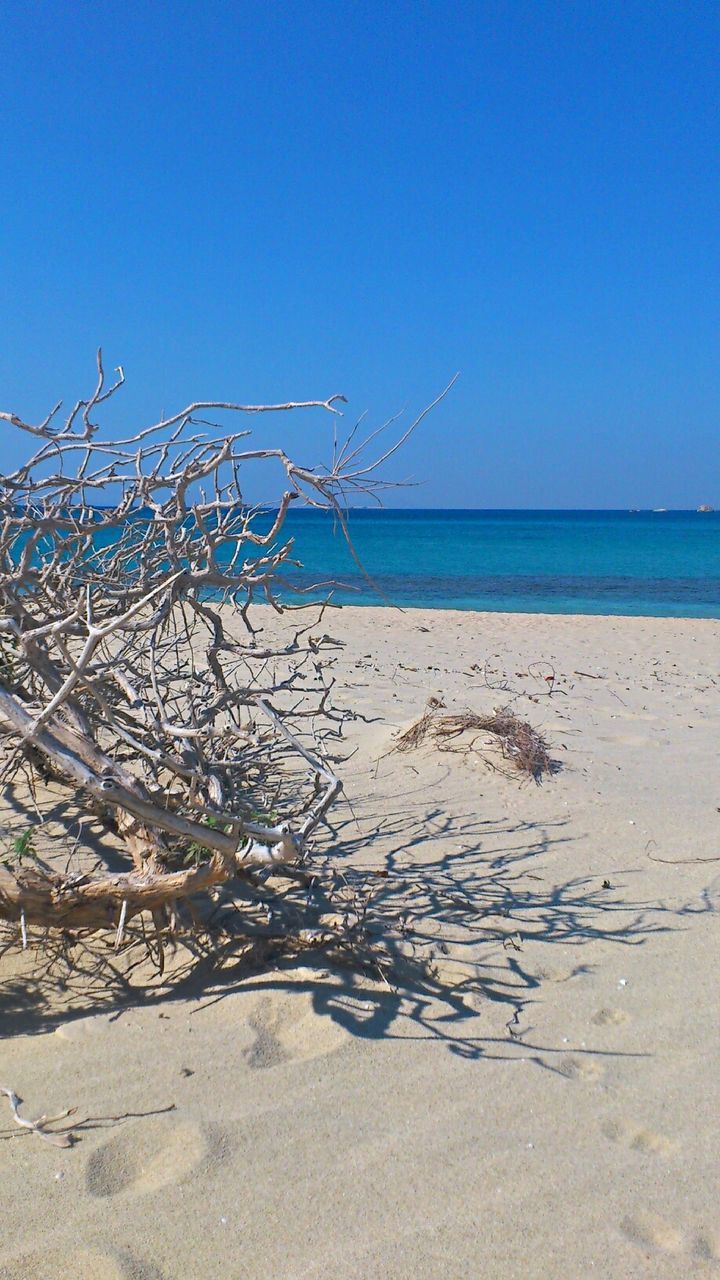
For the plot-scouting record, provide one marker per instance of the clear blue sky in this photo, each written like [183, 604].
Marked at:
[258, 201]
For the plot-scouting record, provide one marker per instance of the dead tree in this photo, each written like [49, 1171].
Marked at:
[131, 672]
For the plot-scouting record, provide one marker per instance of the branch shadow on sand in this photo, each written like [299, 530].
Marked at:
[454, 906]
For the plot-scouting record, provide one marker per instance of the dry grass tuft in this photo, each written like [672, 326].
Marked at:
[522, 746]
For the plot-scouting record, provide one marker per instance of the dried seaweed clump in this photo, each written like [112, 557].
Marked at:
[522, 746]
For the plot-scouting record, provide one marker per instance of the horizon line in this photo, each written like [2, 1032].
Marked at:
[708, 509]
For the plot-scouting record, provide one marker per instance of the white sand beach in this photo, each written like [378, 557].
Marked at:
[534, 1097]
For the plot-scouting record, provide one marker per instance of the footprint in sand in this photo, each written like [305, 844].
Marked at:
[80, 1264]
[287, 1028]
[635, 740]
[578, 1068]
[456, 980]
[149, 1155]
[707, 1245]
[81, 1028]
[556, 973]
[638, 1139]
[649, 1230]
[610, 1017]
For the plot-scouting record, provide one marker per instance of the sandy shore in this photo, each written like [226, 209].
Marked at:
[540, 1102]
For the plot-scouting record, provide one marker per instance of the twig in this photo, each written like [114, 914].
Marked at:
[39, 1126]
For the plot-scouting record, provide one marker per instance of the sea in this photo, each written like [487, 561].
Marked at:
[641, 563]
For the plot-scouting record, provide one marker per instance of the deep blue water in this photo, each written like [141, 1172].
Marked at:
[609, 562]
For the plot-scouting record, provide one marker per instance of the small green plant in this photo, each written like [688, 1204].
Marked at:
[263, 816]
[8, 665]
[24, 845]
[197, 853]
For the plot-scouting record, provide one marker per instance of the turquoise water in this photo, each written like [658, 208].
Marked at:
[607, 562]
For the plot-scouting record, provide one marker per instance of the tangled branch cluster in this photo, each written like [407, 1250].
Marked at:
[125, 678]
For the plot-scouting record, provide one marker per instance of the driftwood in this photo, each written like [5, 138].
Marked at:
[132, 675]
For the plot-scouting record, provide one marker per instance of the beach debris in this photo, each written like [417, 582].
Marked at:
[522, 746]
[64, 1138]
[133, 676]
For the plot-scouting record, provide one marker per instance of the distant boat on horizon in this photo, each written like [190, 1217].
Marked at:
[704, 509]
